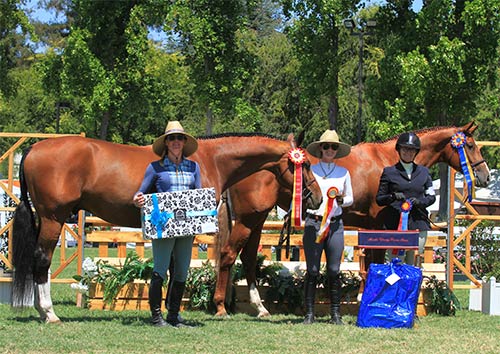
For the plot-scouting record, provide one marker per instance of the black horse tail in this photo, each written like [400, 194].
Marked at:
[225, 225]
[24, 239]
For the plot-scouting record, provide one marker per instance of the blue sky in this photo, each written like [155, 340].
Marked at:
[50, 17]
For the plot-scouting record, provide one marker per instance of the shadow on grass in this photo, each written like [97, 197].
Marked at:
[127, 319]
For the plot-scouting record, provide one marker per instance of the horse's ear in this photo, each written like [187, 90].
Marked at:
[291, 140]
[470, 128]
[300, 139]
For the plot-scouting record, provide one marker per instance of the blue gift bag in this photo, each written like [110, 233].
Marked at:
[390, 296]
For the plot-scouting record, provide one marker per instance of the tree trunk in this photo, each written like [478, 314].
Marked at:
[333, 111]
[210, 116]
[104, 125]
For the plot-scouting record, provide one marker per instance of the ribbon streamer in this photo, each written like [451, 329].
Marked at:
[297, 156]
[403, 222]
[458, 142]
[328, 214]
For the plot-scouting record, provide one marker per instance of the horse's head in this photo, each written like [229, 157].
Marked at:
[311, 192]
[476, 160]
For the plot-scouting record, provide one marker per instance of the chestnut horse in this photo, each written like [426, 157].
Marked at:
[68, 174]
[365, 164]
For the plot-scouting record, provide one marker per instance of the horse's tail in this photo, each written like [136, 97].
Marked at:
[24, 238]
[225, 225]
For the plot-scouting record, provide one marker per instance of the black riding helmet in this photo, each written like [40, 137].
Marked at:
[409, 140]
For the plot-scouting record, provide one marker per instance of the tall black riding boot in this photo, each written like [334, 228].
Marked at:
[335, 295]
[174, 304]
[155, 297]
[309, 296]
[171, 272]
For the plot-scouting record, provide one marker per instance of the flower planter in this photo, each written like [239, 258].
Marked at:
[133, 296]
[490, 299]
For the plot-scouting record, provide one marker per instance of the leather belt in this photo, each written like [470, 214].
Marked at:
[319, 218]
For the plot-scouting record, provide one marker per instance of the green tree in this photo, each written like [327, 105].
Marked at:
[437, 65]
[314, 29]
[12, 42]
[208, 32]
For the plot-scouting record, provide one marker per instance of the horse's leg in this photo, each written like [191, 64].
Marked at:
[237, 239]
[47, 241]
[249, 259]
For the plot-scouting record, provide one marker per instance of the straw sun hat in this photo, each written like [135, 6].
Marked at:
[329, 136]
[174, 127]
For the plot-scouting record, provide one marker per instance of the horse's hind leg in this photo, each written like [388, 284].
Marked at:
[47, 241]
[249, 259]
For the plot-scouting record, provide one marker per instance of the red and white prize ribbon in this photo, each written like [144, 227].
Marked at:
[328, 214]
[298, 157]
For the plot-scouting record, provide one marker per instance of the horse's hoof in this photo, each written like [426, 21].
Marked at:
[263, 314]
[51, 318]
[222, 314]
[53, 321]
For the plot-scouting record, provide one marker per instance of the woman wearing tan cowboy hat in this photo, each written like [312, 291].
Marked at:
[172, 172]
[324, 229]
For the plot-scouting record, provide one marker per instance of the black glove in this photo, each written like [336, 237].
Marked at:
[398, 196]
[415, 202]
[340, 200]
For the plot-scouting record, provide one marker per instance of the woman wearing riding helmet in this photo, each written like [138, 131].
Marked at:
[406, 181]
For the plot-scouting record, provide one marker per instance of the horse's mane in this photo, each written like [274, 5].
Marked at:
[226, 135]
[419, 131]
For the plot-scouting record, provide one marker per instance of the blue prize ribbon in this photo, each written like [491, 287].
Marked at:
[458, 141]
[404, 220]
[465, 170]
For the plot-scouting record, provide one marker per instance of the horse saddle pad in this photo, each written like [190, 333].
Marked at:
[177, 214]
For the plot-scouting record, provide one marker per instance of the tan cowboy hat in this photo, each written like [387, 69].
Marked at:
[174, 127]
[329, 136]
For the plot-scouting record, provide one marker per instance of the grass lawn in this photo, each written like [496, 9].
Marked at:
[85, 331]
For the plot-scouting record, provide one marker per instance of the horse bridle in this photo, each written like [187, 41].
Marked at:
[305, 186]
[477, 163]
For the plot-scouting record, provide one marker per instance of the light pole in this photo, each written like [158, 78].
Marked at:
[360, 31]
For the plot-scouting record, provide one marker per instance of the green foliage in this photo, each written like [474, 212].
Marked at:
[484, 248]
[495, 271]
[286, 288]
[435, 65]
[208, 33]
[443, 300]
[114, 279]
[200, 287]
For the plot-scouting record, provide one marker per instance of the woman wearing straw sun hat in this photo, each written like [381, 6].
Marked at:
[172, 172]
[324, 229]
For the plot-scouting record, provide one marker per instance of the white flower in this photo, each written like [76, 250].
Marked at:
[89, 267]
[79, 287]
